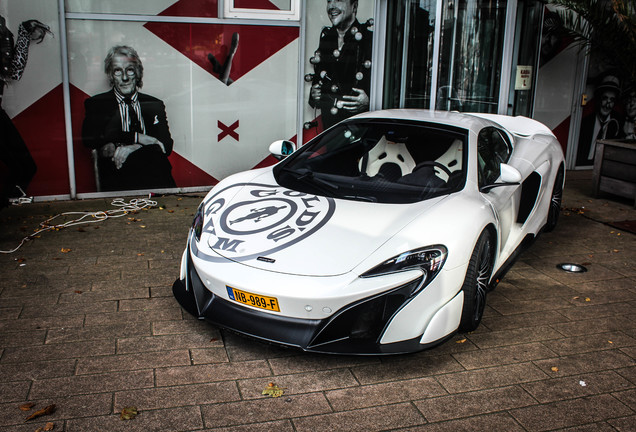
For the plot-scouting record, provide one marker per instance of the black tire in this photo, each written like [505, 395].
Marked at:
[476, 282]
[555, 201]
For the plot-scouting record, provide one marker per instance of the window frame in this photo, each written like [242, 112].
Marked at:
[228, 10]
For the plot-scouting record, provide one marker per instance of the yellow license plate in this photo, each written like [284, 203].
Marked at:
[259, 301]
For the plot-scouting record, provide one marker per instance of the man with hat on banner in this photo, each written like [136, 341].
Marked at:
[602, 124]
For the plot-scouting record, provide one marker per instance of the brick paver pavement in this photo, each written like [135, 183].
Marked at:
[88, 323]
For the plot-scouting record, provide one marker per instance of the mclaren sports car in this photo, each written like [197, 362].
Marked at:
[382, 235]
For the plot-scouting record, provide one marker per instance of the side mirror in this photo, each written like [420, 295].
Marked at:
[281, 149]
[509, 176]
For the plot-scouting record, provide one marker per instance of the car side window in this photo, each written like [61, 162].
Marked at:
[493, 149]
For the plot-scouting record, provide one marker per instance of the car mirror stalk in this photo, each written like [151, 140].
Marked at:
[487, 188]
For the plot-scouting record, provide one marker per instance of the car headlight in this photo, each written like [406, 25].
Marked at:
[197, 223]
[429, 259]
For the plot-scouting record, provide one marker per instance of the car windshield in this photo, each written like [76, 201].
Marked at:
[383, 161]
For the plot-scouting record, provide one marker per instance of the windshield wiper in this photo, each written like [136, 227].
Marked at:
[361, 198]
[307, 176]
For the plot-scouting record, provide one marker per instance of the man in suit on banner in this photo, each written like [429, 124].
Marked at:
[128, 129]
[342, 64]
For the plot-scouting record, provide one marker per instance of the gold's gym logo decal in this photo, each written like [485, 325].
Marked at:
[250, 221]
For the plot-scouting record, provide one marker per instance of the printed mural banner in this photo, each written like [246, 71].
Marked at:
[605, 108]
[219, 94]
[32, 136]
[207, 99]
[339, 42]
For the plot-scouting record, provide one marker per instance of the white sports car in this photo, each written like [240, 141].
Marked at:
[382, 235]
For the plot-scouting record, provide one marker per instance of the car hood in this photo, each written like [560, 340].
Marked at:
[258, 223]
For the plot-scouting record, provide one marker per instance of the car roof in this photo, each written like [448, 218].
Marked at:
[518, 125]
[460, 120]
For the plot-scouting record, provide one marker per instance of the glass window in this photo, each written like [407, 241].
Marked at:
[219, 121]
[200, 8]
[471, 50]
[493, 149]
[409, 53]
[276, 9]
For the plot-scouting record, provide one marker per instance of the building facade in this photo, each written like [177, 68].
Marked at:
[222, 79]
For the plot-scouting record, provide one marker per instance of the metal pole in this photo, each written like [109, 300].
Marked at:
[67, 101]
[507, 57]
[436, 47]
[376, 98]
[300, 99]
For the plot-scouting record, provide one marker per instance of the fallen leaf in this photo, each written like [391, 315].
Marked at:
[170, 211]
[65, 250]
[39, 413]
[610, 342]
[48, 427]
[140, 254]
[554, 369]
[273, 390]
[575, 298]
[21, 260]
[78, 292]
[128, 413]
[142, 226]
[27, 406]
[587, 299]
[460, 341]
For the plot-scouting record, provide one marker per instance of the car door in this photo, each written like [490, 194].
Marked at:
[493, 149]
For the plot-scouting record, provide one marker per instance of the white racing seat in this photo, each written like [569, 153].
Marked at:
[392, 160]
[451, 159]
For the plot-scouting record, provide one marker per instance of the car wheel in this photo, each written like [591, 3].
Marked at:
[555, 201]
[476, 283]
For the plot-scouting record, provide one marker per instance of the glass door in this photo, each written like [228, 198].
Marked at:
[471, 54]
[458, 55]
[409, 53]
